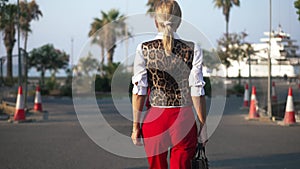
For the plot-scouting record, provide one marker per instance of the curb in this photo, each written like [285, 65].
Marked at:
[281, 123]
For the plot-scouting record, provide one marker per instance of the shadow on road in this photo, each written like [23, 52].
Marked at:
[279, 161]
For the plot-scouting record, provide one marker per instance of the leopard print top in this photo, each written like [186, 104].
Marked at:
[168, 76]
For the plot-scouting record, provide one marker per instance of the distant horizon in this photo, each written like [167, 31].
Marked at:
[34, 73]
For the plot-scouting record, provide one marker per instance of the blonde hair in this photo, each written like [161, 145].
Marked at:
[168, 19]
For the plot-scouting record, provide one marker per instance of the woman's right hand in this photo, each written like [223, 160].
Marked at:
[136, 137]
[202, 135]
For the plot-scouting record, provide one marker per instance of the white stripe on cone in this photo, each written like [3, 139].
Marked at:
[246, 96]
[274, 97]
[38, 100]
[289, 117]
[289, 104]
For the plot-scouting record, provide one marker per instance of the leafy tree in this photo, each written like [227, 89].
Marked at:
[2, 3]
[48, 58]
[29, 12]
[113, 27]
[88, 65]
[297, 6]
[8, 24]
[226, 5]
[210, 59]
[237, 49]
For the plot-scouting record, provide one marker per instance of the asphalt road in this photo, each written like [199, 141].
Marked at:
[60, 142]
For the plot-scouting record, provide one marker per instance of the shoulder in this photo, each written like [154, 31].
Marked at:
[185, 43]
[148, 43]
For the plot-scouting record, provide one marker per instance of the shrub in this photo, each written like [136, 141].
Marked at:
[207, 87]
[102, 84]
[239, 89]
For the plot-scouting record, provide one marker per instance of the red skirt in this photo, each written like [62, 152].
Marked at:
[174, 128]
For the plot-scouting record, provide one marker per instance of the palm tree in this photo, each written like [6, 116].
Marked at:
[297, 6]
[29, 12]
[151, 4]
[8, 24]
[226, 6]
[97, 35]
[113, 27]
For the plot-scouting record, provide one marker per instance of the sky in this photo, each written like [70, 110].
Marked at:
[64, 20]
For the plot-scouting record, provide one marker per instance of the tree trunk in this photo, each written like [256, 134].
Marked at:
[226, 72]
[102, 55]
[9, 42]
[25, 41]
[227, 15]
[9, 68]
[101, 61]
[227, 29]
[42, 78]
[53, 77]
[110, 55]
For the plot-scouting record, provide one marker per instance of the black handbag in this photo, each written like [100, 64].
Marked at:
[200, 160]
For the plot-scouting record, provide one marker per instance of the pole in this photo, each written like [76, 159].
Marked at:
[72, 53]
[126, 42]
[25, 56]
[250, 81]
[269, 65]
[1, 70]
[19, 55]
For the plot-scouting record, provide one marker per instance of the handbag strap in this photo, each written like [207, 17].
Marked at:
[200, 152]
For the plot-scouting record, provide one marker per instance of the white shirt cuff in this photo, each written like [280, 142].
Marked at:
[197, 91]
[139, 90]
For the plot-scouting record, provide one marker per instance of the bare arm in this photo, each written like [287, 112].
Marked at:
[137, 107]
[200, 107]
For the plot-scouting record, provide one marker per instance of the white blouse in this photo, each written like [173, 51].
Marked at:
[140, 81]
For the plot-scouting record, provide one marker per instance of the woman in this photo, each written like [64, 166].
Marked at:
[172, 69]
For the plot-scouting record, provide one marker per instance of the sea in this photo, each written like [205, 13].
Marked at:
[32, 72]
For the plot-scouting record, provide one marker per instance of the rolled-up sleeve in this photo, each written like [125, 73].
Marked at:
[139, 79]
[196, 81]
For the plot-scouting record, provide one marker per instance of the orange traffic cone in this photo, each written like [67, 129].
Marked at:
[274, 96]
[289, 117]
[38, 100]
[20, 113]
[253, 105]
[246, 96]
